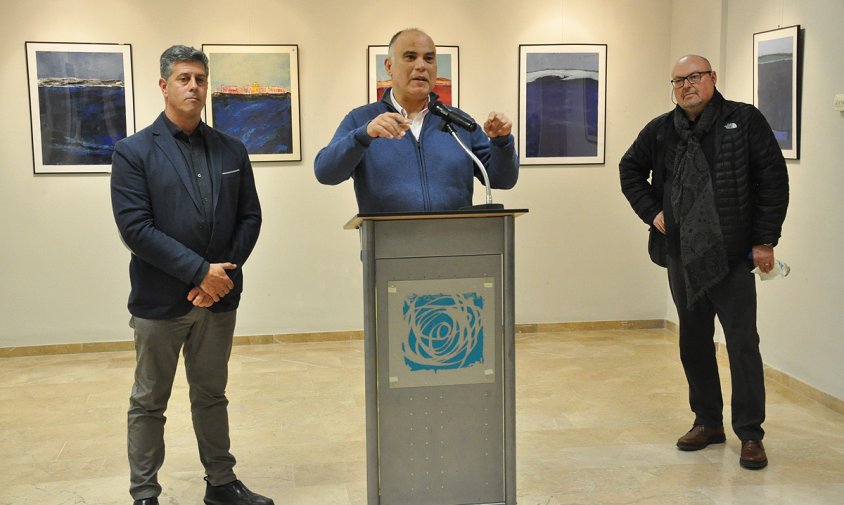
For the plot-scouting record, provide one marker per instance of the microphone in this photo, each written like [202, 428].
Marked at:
[450, 115]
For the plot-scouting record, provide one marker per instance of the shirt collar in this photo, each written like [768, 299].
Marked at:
[177, 132]
[402, 110]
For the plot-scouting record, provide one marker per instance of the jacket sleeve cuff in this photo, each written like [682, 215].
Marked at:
[201, 272]
[503, 141]
[362, 137]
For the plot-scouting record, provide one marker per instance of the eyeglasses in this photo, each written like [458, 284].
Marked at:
[693, 78]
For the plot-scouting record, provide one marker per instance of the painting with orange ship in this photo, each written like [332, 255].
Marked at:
[254, 97]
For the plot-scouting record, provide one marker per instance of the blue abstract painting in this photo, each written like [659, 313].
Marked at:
[776, 84]
[254, 96]
[562, 112]
[445, 331]
[82, 106]
[262, 121]
[775, 64]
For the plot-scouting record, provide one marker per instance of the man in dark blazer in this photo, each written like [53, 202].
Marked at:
[185, 203]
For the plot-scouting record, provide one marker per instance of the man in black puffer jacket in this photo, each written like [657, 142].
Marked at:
[710, 181]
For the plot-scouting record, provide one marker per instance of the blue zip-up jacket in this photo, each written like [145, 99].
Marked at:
[431, 173]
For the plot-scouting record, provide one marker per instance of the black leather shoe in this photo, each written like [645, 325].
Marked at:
[147, 501]
[753, 455]
[700, 436]
[233, 493]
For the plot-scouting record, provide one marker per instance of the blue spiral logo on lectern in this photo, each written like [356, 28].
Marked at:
[445, 331]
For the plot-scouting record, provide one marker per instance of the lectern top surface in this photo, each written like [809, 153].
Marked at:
[356, 221]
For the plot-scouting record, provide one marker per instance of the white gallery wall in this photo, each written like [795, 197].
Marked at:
[580, 251]
[801, 320]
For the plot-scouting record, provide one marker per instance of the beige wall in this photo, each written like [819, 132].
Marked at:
[801, 321]
[800, 318]
[580, 251]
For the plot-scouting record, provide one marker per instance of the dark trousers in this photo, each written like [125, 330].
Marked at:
[733, 300]
[205, 339]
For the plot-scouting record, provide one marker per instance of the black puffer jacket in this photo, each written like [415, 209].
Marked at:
[749, 175]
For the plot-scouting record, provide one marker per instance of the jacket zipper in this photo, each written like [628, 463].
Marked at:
[423, 174]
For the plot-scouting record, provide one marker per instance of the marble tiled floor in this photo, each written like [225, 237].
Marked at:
[598, 413]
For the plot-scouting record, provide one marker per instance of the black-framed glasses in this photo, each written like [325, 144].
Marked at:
[693, 78]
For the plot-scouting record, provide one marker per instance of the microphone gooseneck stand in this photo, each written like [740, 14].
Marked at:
[447, 126]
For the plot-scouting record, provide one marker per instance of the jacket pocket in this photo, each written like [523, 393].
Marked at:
[657, 247]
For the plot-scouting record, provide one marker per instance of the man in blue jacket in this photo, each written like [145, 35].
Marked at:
[185, 203]
[396, 153]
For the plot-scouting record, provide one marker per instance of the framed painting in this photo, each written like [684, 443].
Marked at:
[254, 96]
[562, 104]
[776, 85]
[81, 102]
[448, 74]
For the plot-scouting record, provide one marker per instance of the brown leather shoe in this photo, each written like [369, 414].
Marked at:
[700, 436]
[753, 455]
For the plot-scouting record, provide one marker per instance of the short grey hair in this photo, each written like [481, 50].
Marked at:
[177, 53]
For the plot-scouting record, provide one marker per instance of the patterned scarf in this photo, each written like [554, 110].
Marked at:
[702, 252]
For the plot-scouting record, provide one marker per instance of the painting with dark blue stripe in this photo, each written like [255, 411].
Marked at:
[776, 85]
[83, 107]
[775, 63]
[562, 104]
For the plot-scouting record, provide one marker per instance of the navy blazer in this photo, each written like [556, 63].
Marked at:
[159, 216]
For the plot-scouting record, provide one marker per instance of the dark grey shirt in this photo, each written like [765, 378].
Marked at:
[195, 152]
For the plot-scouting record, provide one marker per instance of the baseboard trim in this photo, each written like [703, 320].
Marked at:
[773, 374]
[285, 338]
[641, 324]
[298, 338]
[825, 399]
[318, 336]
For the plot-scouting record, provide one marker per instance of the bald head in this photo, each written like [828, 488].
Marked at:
[401, 33]
[694, 59]
[694, 84]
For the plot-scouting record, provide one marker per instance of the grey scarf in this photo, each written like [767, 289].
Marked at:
[702, 252]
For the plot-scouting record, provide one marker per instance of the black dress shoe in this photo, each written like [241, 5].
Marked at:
[753, 455]
[233, 493]
[147, 501]
[700, 436]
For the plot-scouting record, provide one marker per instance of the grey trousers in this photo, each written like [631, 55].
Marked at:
[205, 339]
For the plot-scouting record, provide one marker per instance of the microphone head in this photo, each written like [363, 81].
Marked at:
[450, 115]
[438, 108]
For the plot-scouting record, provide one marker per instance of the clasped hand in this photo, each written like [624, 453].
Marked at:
[213, 287]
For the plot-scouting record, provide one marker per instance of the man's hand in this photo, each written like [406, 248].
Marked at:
[389, 125]
[216, 283]
[200, 298]
[659, 222]
[763, 257]
[497, 125]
